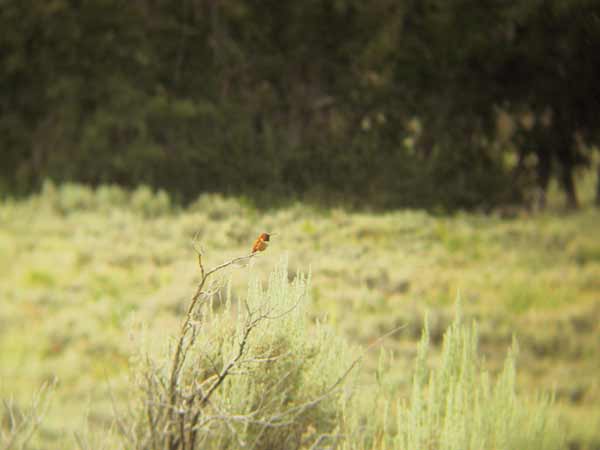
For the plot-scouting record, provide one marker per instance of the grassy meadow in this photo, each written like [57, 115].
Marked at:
[89, 277]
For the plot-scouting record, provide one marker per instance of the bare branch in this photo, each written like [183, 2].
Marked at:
[225, 372]
[287, 311]
[30, 421]
[323, 437]
[181, 349]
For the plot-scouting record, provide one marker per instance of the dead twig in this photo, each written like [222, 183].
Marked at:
[181, 348]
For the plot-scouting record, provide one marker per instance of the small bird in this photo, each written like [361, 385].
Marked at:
[261, 244]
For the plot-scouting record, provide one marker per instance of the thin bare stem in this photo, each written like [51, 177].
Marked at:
[180, 352]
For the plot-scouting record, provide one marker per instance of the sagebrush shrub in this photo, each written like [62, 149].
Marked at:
[278, 380]
[255, 373]
[457, 405]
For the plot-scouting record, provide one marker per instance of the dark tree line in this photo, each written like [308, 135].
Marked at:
[395, 101]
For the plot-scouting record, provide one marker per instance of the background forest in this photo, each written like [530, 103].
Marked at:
[426, 103]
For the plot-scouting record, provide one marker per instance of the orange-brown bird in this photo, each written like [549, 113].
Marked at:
[261, 244]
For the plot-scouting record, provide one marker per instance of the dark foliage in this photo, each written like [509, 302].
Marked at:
[393, 102]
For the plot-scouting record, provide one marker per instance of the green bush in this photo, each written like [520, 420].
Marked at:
[458, 406]
[264, 379]
[110, 196]
[150, 204]
[67, 198]
[256, 374]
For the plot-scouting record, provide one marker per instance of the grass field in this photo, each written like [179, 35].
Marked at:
[84, 273]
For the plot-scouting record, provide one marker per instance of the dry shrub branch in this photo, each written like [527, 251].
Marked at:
[248, 375]
[18, 426]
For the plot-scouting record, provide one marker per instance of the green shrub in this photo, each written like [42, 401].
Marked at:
[75, 197]
[149, 204]
[256, 374]
[457, 405]
[251, 374]
[219, 207]
[67, 198]
[109, 196]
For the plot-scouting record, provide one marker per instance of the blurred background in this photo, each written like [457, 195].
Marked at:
[436, 104]
[407, 152]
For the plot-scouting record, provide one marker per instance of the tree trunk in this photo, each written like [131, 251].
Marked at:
[565, 151]
[570, 190]
[598, 185]
[544, 169]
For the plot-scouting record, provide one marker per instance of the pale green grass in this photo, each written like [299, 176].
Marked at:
[79, 270]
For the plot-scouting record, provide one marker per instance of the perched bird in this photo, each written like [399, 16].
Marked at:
[260, 245]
